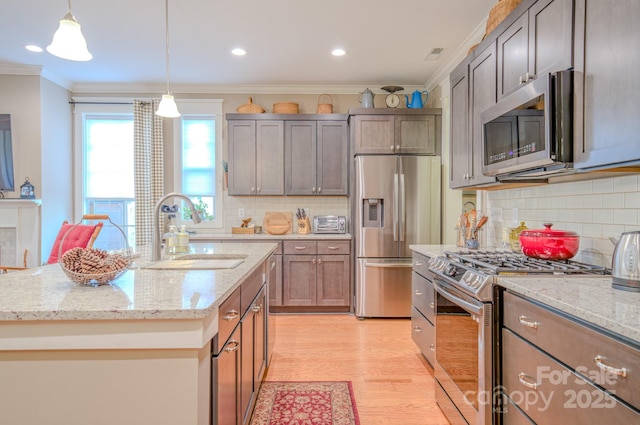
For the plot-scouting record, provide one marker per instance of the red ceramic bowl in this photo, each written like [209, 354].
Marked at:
[549, 244]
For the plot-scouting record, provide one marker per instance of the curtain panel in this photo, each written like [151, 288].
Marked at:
[149, 166]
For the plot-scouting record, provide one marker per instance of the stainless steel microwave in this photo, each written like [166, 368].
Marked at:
[530, 132]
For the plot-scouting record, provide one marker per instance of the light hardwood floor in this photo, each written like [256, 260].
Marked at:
[393, 384]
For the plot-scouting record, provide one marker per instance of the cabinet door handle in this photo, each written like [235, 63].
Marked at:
[417, 329]
[432, 306]
[391, 147]
[319, 261]
[233, 345]
[419, 292]
[524, 321]
[616, 371]
[333, 248]
[313, 261]
[313, 190]
[231, 315]
[258, 189]
[300, 248]
[256, 308]
[432, 347]
[319, 189]
[527, 381]
[520, 80]
[273, 265]
[398, 147]
[253, 189]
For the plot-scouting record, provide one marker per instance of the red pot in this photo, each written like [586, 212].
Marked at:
[549, 244]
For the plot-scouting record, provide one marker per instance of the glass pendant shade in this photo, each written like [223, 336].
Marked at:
[68, 41]
[167, 107]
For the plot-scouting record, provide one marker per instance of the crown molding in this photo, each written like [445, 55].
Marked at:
[181, 89]
[458, 55]
[39, 70]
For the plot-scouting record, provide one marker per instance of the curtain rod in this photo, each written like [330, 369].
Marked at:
[73, 102]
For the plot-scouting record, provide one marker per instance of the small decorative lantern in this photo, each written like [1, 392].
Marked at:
[27, 191]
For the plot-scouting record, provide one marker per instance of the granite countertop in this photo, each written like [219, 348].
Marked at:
[589, 298]
[46, 293]
[268, 237]
[434, 250]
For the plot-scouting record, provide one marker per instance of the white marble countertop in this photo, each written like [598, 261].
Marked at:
[46, 293]
[268, 237]
[589, 298]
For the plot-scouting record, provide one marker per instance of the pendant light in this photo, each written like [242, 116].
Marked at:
[167, 107]
[68, 41]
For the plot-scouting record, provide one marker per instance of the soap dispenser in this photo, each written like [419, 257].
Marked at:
[171, 240]
[183, 240]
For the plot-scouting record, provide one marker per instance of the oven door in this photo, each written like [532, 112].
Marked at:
[463, 354]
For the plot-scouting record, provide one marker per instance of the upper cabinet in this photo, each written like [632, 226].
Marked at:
[316, 159]
[473, 89]
[607, 52]
[256, 157]
[280, 154]
[539, 41]
[395, 131]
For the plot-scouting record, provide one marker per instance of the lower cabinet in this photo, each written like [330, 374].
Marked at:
[316, 274]
[239, 351]
[423, 307]
[554, 369]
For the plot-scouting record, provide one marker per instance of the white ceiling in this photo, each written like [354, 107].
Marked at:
[288, 41]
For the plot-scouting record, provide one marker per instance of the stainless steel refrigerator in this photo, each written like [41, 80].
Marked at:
[396, 204]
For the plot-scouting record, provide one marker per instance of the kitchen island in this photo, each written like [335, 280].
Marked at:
[137, 351]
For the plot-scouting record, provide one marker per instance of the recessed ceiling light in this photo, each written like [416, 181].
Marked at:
[33, 48]
[338, 52]
[239, 52]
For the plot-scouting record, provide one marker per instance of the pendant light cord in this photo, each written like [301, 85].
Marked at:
[166, 2]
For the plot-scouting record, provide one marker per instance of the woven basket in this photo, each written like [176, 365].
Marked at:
[285, 108]
[242, 230]
[325, 108]
[500, 11]
[250, 108]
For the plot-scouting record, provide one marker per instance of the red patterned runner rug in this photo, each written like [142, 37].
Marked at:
[306, 403]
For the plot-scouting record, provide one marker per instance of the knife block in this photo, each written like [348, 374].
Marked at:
[304, 226]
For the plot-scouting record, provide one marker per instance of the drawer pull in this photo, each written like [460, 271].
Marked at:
[231, 315]
[419, 292]
[417, 329]
[432, 347]
[232, 346]
[300, 248]
[526, 380]
[418, 263]
[256, 308]
[523, 321]
[432, 306]
[616, 371]
[333, 248]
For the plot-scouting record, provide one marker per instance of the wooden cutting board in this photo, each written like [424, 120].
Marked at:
[278, 223]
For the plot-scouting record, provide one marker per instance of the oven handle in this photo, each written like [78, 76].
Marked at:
[468, 305]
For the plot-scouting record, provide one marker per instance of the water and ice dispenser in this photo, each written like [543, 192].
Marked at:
[372, 212]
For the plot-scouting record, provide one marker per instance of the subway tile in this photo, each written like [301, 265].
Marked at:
[612, 230]
[613, 200]
[603, 215]
[603, 185]
[632, 200]
[625, 184]
[591, 231]
[626, 217]
[583, 216]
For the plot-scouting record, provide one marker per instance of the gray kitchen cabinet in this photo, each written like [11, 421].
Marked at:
[388, 131]
[576, 371]
[538, 42]
[316, 160]
[473, 89]
[256, 157]
[423, 307]
[607, 128]
[316, 274]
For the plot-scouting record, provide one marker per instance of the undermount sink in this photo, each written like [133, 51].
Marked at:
[199, 262]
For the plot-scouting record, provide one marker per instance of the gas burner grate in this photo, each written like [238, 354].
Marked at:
[497, 262]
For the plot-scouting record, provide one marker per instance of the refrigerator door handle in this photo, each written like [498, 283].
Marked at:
[402, 223]
[395, 206]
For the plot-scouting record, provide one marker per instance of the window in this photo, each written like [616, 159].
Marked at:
[104, 163]
[198, 157]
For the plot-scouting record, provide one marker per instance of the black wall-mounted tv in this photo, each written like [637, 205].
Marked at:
[6, 155]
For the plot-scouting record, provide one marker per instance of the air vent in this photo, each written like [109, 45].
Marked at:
[434, 54]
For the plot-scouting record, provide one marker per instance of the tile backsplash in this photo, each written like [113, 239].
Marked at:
[256, 206]
[595, 209]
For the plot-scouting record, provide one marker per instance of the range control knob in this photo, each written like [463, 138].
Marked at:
[451, 270]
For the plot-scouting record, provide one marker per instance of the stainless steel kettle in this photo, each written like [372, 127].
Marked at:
[625, 264]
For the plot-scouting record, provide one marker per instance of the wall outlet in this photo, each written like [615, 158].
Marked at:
[241, 212]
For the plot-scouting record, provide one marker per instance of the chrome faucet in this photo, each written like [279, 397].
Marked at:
[156, 239]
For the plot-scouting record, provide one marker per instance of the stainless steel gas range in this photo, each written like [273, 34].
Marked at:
[465, 322]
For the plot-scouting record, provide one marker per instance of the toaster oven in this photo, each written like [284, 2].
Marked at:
[329, 224]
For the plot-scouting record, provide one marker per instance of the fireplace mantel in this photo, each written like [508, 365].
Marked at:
[20, 230]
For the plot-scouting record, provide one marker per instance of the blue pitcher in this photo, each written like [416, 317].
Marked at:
[416, 99]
